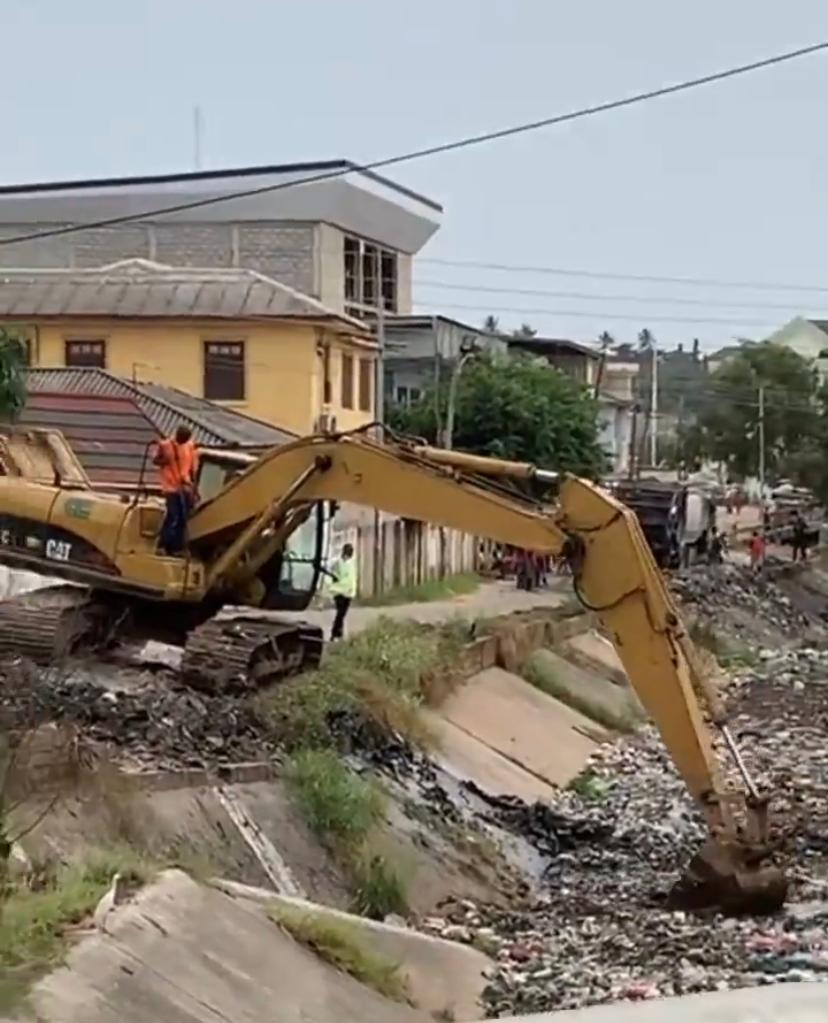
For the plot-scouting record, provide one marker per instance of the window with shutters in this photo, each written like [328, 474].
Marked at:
[85, 353]
[347, 381]
[366, 384]
[224, 370]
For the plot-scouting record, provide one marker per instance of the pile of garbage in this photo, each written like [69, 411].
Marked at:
[601, 927]
[155, 723]
[750, 607]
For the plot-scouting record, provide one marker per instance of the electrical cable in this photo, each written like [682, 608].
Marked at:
[597, 314]
[436, 150]
[706, 282]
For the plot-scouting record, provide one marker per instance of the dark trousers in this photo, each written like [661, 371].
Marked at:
[174, 526]
[800, 551]
[341, 605]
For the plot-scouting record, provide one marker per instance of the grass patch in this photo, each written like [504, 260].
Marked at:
[34, 923]
[589, 786]
[334, 800]
[381, 674]
[378, 888]
[546, 679]
[447, 588]
[341, 945]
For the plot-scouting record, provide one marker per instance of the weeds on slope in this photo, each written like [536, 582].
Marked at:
[381, 676]
[344, 809]
[341, 945]
[35, 922]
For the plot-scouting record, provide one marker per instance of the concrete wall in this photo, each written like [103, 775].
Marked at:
[284, 369]
[407, 552]
[283, 250]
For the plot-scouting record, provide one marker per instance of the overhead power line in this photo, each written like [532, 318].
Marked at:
[606, 275]
[598, 314]
[649, 299]
[445, 147]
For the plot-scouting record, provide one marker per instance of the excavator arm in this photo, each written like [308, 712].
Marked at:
[614, 574]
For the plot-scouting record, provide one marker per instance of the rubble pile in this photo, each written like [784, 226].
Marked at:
[731, 596]
[601, 928]
[155, 723]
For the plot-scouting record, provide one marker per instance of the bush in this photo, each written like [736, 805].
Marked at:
[377, 886]
[335, 801]
[381, 675]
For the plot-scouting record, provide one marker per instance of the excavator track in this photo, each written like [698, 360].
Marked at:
[242, 652]
[54, 622]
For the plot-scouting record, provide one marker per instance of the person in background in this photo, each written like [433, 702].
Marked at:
[757, 551]
[715, 550]
[343, 588]
[800, 538]
[176, 458]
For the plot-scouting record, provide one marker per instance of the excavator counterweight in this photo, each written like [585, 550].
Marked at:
[257, 540]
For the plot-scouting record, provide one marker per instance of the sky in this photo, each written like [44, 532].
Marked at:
[726, 182]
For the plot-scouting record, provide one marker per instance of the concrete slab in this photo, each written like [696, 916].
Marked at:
[443, 976]
[587, 689]
[535, 731]
[185, 953]
[779, 1003]
[595, 653]
[465, 757]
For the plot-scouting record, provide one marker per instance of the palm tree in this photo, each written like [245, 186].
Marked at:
[491, 324]
[646, 341]
[605, 340]
[525, 330]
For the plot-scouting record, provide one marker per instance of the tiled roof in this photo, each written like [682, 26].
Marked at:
[138, 288]
[164, 407]
[109, 434]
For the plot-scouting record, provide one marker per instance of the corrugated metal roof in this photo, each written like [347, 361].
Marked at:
[139, 287]
[165, 407]
[109, 434]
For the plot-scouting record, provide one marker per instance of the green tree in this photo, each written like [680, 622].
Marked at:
[491, 324]
[12, 374]
[514, 408]
[729, 413]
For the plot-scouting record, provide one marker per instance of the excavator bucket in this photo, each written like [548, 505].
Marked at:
[732, 879]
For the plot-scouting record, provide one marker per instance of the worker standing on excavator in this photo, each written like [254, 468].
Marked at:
[177, 460]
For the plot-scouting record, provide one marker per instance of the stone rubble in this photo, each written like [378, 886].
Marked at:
[595, 926]
[599, 928]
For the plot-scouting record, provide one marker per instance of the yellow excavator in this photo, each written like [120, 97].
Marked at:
[256, 540]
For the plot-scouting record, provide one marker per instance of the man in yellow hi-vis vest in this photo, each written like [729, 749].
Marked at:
[343, 588]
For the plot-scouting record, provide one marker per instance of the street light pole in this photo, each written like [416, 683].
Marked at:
[448, 436]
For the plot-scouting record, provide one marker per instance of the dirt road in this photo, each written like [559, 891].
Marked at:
[490, 599]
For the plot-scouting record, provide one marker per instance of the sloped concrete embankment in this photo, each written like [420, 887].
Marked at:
[515, 738]
[183, 952]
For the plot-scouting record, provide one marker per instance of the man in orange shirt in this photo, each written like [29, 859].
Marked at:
[177, 461]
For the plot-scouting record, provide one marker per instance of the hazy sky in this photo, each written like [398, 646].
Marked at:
[729, 181]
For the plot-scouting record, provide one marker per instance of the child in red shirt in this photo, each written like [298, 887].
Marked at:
[757, 551]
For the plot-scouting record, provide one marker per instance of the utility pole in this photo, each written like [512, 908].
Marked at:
[761, 432]
[197, 137]
[654, 406]
[379, 416]
[632, 469]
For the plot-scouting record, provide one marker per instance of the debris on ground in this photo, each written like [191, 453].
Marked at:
[595, 924]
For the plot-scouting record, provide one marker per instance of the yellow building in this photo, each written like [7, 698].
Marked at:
[229, 335]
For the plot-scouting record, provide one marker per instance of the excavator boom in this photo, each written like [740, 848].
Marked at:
[234, 533]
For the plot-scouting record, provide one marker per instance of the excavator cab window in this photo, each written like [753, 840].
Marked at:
[299, 566]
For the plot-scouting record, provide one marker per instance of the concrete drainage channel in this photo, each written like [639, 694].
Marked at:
[184, 951]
